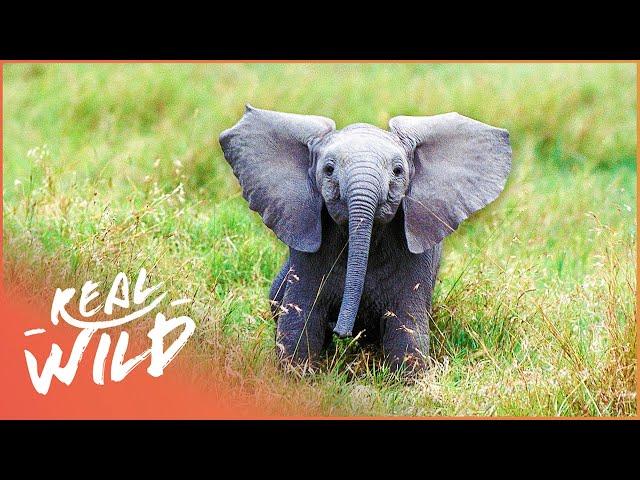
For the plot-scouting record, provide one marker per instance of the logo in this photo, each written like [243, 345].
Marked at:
[134, 307]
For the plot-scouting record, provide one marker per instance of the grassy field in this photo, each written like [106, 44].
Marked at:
[108, 168]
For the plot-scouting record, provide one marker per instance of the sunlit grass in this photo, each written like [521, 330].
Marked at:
[108, 168]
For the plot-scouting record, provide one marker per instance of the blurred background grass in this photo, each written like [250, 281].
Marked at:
[112, 166]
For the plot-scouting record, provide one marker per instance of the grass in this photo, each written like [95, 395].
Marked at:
[111, 167]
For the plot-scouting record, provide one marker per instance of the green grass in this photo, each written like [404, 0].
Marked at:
[111, 167]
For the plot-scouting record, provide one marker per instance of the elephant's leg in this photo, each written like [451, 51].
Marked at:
[302, 323]
[278, 287]
[405, 339]
[405, 326]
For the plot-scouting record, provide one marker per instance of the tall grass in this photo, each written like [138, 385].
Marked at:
[111, 167]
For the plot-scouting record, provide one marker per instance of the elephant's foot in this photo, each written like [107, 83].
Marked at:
[298, 351]
[406, 349]
[408, 366]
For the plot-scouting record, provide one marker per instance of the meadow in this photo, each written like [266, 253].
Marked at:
[109, 167]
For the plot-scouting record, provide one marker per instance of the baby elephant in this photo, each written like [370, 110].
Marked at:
[391, 196]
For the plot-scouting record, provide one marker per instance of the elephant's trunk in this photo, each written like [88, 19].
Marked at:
[363, 194]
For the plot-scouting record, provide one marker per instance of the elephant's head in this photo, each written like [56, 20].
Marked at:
[441, 169]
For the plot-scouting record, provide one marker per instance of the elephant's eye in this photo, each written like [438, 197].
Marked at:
[397, 170]
[328, 169]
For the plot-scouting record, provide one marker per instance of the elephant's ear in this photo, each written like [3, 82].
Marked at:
[460, 165]
[269, 153]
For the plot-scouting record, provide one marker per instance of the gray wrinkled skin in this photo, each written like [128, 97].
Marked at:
[320, 189]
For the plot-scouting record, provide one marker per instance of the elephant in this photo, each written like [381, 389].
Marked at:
[388, 196]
